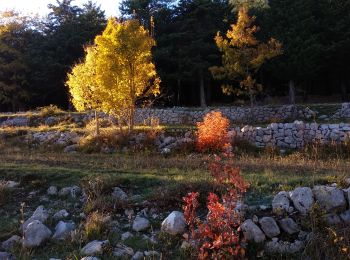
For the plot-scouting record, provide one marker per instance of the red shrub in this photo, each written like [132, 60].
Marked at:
[212, 133]
[218, 236]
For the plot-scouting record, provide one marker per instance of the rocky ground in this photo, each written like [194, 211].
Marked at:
[140, 231]
[52, 206]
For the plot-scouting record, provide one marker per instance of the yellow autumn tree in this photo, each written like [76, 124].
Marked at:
[116, 72]
[242, 56]
[83, 86]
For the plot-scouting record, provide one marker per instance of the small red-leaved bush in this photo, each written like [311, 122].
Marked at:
[212, 133]
[217, 237]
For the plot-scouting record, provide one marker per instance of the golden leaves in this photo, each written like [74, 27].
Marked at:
[243, 54]
[117, 69]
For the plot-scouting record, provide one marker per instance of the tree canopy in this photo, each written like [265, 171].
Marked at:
[117, 71]
[36, 53]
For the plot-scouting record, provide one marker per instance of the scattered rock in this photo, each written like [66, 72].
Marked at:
[119, 194]
[123, 251]
[126, 236]
[64, 192]
[52, 191]
[51, 120]
[90, 258]
[61, 214]
[151, 253]
[94, 247]
[280, 203]
[289, 226]
[302, 199]
[129, 213]
[63, 229]
[138, 256]
[35, 234]
[15, 122]
[73, 191]
[70, 148]
[6, 256]
[330, 199]
[10, 184]
[252, 232]
[283, 247]
[269, 226]
[174, 224]
[140, 224]
[11, 242]
[345, 216]
[39, 214]
[332, 219]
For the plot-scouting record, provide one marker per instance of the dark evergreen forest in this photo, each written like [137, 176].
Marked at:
[37, 53]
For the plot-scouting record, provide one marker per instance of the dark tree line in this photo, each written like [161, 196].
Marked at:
[37, 53]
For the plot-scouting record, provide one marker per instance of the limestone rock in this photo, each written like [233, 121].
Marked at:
[70, 148]
[123, 251]
[140, 224]
[63, 229]
[39, 214]
[269, 226]
[126, 236]
[11, 242]
[152, 254]
[280, 203]
[35, 234]
[283, 247]
[289, 226]
[302, 199]
[332, 219]
[330, 199]
[61, 214]
[119, 194]
[252, 232]
[52, 191]
[94, 247]
[6, 256]
[345, 217]
[174, 224]
[138, 256]
[10, 184]
[73, 191]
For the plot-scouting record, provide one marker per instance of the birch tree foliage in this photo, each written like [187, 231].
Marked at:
[117, 70]
[82, 83]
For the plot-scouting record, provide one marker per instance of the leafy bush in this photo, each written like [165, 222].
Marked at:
[217, 237]
[212, 133]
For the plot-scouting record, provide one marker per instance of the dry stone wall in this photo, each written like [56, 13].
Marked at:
[190, 116]
[294, 135]
[289, 209]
